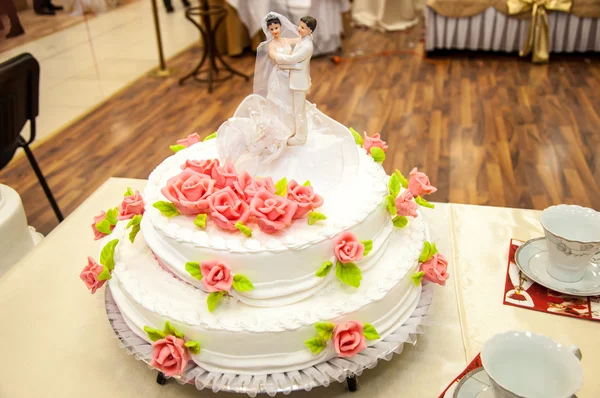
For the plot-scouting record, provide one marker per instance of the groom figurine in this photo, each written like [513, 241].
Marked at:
[299, 64]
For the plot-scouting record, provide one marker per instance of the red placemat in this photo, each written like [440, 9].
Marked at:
[475, 363]
[520, 291]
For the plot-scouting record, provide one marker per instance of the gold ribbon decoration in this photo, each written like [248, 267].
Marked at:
[538, 36]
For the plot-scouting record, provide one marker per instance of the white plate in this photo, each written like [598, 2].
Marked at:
[476, 383]
[532, 259]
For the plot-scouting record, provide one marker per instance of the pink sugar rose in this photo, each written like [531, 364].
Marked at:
[170, 355]
[190, 140]
[216, 276]
[239, 187]
[204, 166]
[374, 142]
[189, 192]
[348, 339]
[258, 184]
[304, 197]
[89, 275]
[348, 249]
[97, 219]
[224, 176]
[273, 212]
[226, 209]
[405, 204]
[131, 206]
[436, 269]
[418, 183]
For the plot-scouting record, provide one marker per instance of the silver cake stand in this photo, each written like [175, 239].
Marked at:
[323, 374]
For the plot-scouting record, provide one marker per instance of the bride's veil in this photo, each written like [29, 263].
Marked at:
[264, 65]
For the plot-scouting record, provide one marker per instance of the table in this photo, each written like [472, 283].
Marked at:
[57, 341]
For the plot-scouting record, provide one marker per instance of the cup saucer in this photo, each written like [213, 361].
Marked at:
[475, 384]
[532, 259]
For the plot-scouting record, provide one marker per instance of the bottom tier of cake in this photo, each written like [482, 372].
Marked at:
[241, 339]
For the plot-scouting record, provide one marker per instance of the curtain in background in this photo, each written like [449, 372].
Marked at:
[386, 14]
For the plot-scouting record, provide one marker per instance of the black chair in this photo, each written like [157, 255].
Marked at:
[19, 103]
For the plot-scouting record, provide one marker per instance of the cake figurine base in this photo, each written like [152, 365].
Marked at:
[322, 374]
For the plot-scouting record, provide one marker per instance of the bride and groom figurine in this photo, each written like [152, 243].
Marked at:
[297, 62]
[276, 118]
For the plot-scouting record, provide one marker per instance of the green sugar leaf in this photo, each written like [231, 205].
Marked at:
[129, 192]
[105, 274]
[111, 215]
[177, 148]
[357, 138]
[281, 187]
[429, 250]
[167, 209]
[136, 220]
[213, 299]
[210, 137]
[324, 329]
[324, 270]
[200, 221]
[316, 345]
[104, 227]
[244, 229]
[401, 178]
[193, 346]
[378, 154]
[390, 205]
[154, 334]
[170, 330]
[400, 221]
[241, 283]
[394, 185]
[133, 233]
[370, 332]
[422, 202]
[315, 216]
[349, 274]
[306, 183]
[368, 246]
[194, 269]
[417, 277]
[107, 254]
[424, 256]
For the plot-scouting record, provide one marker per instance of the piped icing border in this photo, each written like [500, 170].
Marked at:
[207, 150]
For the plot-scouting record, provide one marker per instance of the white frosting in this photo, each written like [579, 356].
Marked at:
[281, 266]
[15, 237]
[241, 338]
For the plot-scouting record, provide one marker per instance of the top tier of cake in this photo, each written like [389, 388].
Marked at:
[281, 266]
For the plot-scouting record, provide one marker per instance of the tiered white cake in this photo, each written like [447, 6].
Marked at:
[330, 283]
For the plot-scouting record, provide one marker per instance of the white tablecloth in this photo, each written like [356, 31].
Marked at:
[327, 35]
[57, 341]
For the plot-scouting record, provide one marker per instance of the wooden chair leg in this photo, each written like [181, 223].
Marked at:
[43, 182]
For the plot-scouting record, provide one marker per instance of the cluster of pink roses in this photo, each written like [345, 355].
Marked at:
[131, 206]
[170, 355]
[216, 276]
[418, 185]
[348, 339]
[206, 187]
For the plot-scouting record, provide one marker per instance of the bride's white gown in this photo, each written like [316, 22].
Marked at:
[255, 138]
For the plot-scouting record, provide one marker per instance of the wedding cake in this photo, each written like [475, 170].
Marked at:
[259, 251]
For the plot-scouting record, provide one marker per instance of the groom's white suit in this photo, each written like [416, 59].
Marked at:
[299, 64]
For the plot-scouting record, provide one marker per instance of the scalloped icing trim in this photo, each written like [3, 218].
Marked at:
[237, 244]
[185, 303]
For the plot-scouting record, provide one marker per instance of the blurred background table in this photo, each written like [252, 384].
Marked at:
[61, 343]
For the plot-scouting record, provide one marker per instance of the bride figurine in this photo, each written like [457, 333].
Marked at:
[259, 138]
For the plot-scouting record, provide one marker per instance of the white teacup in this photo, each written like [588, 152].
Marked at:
[529, 365]
[573, 238]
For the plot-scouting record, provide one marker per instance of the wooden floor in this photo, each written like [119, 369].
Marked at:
[490, 130]
[38, 26]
